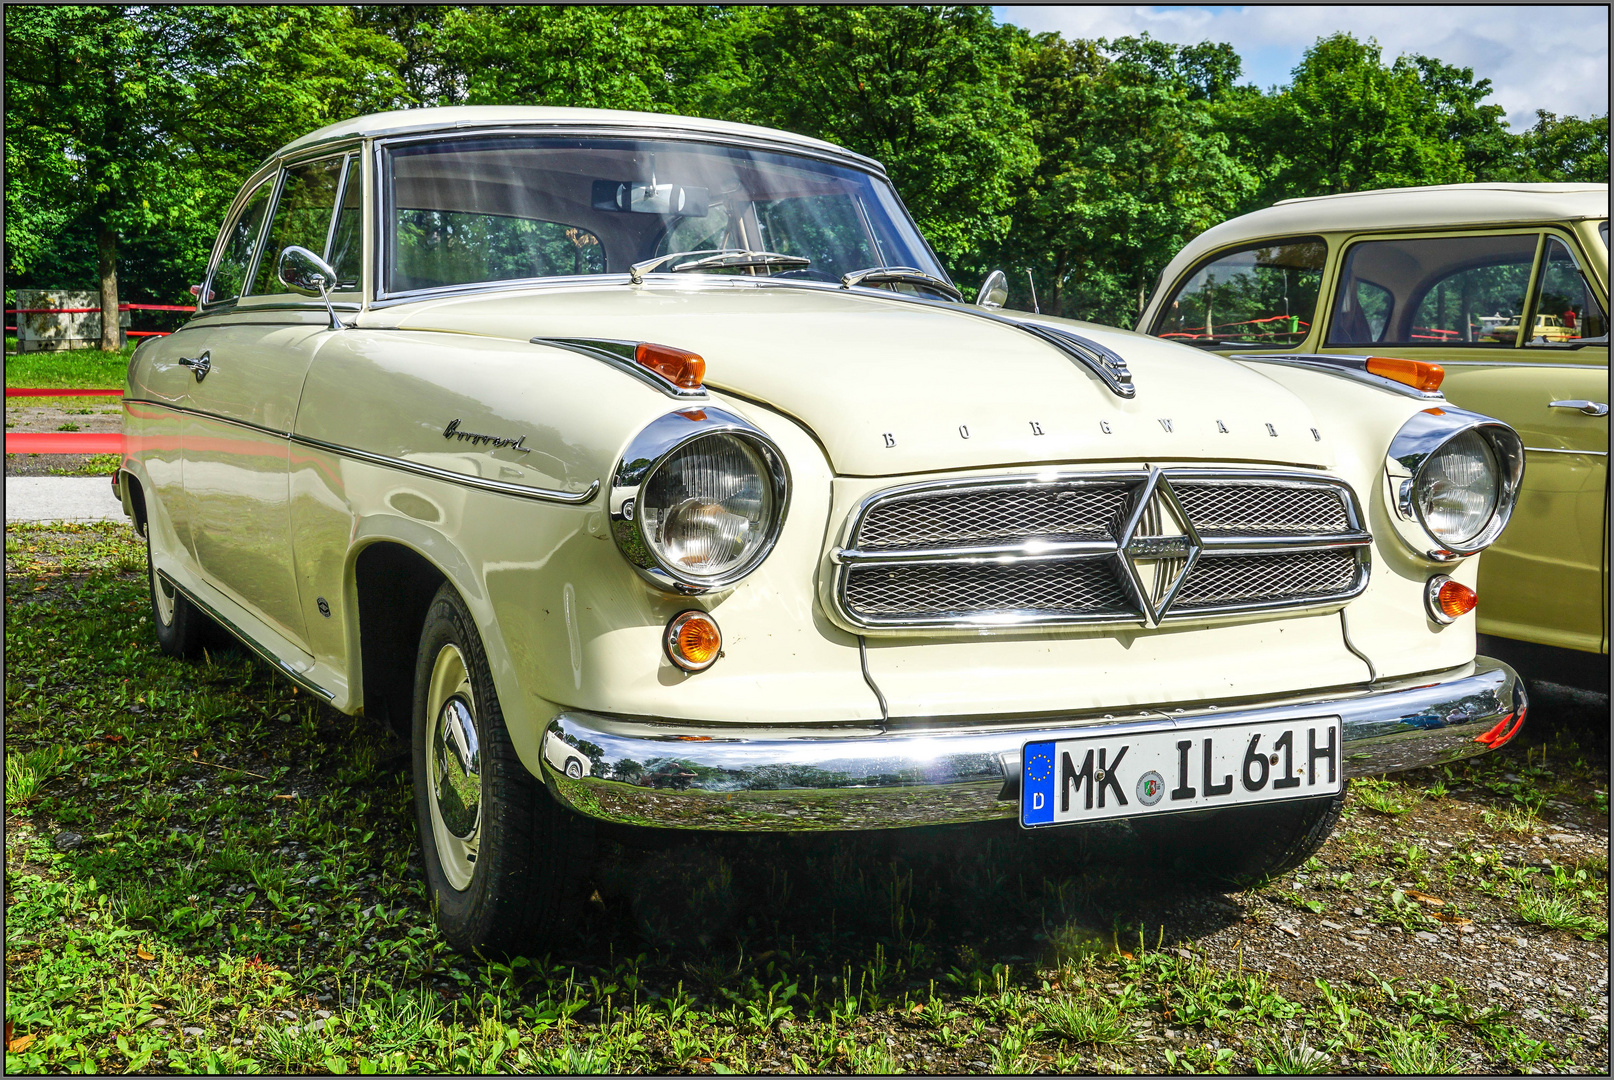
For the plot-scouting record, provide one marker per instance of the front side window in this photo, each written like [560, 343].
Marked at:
[1265, 296]
[302, 217]
[346, 253]
[1566, 307]
[240, 243]
[1448, 291]
[466, 211]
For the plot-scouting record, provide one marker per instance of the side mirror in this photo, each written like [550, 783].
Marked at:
[994, 290]
[303, 272]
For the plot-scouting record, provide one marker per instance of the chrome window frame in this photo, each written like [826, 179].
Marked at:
[844, 558]
[274, 170]
[383, 194]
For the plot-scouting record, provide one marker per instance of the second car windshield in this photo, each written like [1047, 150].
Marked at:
[466, 211]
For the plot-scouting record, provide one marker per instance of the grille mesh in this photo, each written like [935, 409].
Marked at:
[1079, 588]
[1243, 579]
[947, 519]
[953, 589]
[1261, 509]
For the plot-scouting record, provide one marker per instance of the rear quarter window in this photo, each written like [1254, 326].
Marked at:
[1263, 295]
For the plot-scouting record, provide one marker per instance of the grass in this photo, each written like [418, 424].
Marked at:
[242, 896]
[87, 369]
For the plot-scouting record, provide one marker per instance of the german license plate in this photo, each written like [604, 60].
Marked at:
[1129, 774]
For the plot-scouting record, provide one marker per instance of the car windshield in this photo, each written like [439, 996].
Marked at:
[466, 211]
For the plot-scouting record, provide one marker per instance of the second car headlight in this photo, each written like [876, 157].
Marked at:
[698, 500]
[1454, 477]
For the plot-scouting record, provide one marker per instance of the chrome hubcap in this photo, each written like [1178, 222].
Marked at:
[454, 767]
[164, 593]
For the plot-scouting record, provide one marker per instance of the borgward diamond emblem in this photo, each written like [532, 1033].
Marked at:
[1158, 547]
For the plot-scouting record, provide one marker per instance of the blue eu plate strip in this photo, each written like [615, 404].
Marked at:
[1037, 784]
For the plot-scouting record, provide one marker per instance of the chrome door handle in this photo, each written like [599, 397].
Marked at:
[202, 365]
[1590, 408]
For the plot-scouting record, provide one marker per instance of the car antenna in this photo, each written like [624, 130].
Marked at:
[1035, 310]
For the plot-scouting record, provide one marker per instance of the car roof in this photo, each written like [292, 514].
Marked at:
[1433, 207]
[460, 117]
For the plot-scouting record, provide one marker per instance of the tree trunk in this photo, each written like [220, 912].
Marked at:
[106, 243]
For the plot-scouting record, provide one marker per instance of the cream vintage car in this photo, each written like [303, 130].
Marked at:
[1502, 290]
[649, 470]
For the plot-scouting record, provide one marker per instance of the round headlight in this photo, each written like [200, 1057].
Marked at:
[1453, 481]
[706, 508]
[1458, 488]
[698, 499]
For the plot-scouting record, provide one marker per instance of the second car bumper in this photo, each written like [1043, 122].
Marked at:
[682, 775]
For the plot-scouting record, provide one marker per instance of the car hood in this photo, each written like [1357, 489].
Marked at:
[892, 387]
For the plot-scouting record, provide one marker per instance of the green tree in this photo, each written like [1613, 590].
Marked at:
[927, 91]
[1132, 167]
[655, 59]
[1565, 149]
[130, 129]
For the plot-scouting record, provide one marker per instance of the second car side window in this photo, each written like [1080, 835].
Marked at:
[302, 217]
[1264, 295]
[1448, 291]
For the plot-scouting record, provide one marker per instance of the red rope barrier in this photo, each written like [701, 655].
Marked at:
[64, 442]
[46, 391]
[89, 310]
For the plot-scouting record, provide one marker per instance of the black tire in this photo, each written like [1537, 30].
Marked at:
[531, 855]
[1241, 846]
[185, 631]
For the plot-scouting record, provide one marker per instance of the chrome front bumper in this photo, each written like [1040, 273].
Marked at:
[683, 775]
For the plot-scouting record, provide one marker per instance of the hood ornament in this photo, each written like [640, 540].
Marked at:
[1108, 366]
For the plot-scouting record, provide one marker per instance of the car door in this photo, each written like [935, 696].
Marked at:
[236, 436]
[1470, 302]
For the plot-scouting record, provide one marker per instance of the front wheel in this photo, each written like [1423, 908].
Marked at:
[182, 630]
[503, 860]
[1242, 846]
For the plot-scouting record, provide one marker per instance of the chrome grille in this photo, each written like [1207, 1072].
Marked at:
[1262, 509]
[1074, 588]
[1239, 579]
[1146, 546]
[1053, 511]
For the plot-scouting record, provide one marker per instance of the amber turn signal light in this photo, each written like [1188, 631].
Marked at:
[693, 641]
[1447, 599]
[679, 366]
[1418, 374]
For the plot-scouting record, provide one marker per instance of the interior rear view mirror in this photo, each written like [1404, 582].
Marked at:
[651, 198]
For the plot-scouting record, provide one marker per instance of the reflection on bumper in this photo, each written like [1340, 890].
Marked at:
[683, 775]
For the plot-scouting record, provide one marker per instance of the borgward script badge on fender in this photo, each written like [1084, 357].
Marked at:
[1158, 546]
[452, 431]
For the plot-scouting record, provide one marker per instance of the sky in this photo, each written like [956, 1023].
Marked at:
[1537, 57]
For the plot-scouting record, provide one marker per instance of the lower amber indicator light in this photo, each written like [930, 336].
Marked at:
[693, 641]
[1448, 599]
[1456, 599]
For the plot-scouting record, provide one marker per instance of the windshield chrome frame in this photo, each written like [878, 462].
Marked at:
[383, 198]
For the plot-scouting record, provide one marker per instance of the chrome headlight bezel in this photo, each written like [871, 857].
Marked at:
[647, 452]
[1418, 442]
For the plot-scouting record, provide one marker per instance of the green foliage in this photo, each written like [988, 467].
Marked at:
[1089, 163]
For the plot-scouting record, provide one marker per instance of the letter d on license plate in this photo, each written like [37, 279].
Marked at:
[1117, 774]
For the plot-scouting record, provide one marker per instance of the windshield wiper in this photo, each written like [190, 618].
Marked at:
[900, 275]
[716, 259]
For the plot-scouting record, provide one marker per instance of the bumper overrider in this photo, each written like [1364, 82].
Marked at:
[685, 775]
